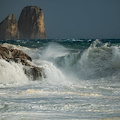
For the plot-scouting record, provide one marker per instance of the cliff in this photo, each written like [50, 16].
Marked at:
[31, 23]
[9, 28]
[29, 26]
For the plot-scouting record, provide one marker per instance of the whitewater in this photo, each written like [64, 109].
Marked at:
[82, 81]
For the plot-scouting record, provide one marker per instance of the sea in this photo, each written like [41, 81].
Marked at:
[82, 80]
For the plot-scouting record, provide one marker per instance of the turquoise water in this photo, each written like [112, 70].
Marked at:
[79, 43]
[82, 80]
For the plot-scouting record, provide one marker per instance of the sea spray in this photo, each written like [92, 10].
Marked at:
[12, 73]
[82, 81]
[116, 57]
[53, 51]
[99, 60]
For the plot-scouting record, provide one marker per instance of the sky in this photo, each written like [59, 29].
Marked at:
[72, 18]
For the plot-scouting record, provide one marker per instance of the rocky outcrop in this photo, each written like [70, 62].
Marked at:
[31, 23]
[18, 56]
[34, 72]
[9, 28]
[29, 26]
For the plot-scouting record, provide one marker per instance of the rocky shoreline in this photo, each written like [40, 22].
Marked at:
[18, 56]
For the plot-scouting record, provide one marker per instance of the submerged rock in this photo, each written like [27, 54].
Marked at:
[31, 23]
[9, 28]
[18, 56]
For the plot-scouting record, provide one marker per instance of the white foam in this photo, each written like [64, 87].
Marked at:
[11, 73]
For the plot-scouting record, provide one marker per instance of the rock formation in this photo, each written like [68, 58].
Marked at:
[9, 28]
[31, 23]
[19, 56]
[29, 26]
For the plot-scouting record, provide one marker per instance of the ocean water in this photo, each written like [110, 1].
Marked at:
[82, 81]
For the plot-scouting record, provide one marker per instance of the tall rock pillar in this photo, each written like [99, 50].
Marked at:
[31, 23]
[9, 28]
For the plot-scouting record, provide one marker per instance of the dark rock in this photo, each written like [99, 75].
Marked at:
[4, 53]
[9, 28]
[19, 56]
[31, 23]
[15, 55]
[34, 72]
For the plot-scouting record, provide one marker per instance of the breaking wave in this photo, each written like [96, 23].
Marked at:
[62, 65]
[99, 60]
[11, 73]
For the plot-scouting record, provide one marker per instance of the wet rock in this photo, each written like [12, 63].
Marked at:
[18, 56]
[34, 73]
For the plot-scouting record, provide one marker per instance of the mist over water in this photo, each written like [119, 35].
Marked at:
[82, 81]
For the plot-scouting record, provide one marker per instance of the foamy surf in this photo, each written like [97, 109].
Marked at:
[82, 81]
[11, 74]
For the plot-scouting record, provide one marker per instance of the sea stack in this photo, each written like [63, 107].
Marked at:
[31, 23]
[9, 28]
